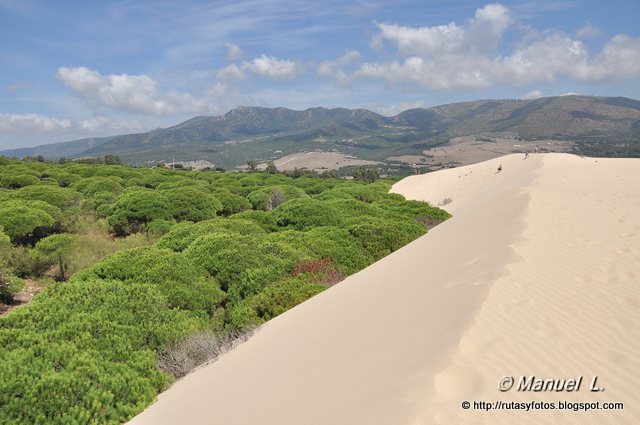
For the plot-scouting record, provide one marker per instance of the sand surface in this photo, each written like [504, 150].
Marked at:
[536, 274]
[317, 161]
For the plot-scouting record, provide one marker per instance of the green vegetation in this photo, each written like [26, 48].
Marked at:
[153, 264]
[55, 249]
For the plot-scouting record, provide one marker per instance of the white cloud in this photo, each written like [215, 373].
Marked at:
[334, 68]
[230, 72]
[219, 88]
[234, 52]
[330, 67]
[394, 109]
[474, 55]
[543, 60]
[136, 93]
[534, 94]
[31, 124]
[269, 66]
[482, 32]
[264, 66]
[619, 58]
[588, 30]
[430, 73]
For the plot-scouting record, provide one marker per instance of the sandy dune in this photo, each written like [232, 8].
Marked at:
[536, 274]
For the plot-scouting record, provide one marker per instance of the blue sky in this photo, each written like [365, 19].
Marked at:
[74, 69]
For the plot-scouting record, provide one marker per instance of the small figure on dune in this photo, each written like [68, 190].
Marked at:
[536, 148]
[526, 155]
[499, 168]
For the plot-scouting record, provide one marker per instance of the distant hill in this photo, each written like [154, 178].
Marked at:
[604, 126]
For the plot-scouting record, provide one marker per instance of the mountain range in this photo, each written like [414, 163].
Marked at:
[599, 126]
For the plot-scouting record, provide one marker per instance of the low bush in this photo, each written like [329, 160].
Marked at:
[84, 352]
[136, 313]
[189, 204]
[137, 207]
[183, 234]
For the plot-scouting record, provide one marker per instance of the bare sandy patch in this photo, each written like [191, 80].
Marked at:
[473, 149]
[318, 161]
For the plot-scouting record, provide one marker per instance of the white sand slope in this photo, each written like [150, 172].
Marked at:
[536, 274]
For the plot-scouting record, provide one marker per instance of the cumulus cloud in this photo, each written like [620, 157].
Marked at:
[619, 58]
[264, 66]
[588, 30]
[31, 124]
[334, 68]
[474, 55]
[135, 93]
[482, 32]
[543, 60]
[234, 52]
[269, 66]
[230, 72]
[429, 73]
[329, 67]
[534, 94]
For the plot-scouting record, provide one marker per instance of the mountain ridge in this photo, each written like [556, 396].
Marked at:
[609, 126]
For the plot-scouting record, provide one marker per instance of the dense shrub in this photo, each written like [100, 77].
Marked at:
[361, 192]
[183, 234]
[61, 198]
[184, 284]
[301, 214]
[93, 185]
[159, 227]
[345, 251]
[26, 221]
[87, 351]
[100, 199]
[271, 197]
[351, 210]
[191, 204]
[415, 209]
[63, 179]
[311, 186]
[16, 181]
[381, 237]
[262, 218]
[84, 352]
[223, 257]
[282, 295]
[136, 207]
[231, 203]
